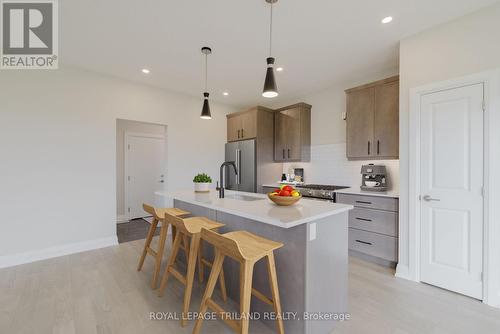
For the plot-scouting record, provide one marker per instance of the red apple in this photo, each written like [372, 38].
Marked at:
[284, 193]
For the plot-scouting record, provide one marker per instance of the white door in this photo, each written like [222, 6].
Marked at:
[451, 189]
[145, 171]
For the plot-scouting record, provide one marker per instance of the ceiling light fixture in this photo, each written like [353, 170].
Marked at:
[205, 111]
[387, 19]
[145, 71]
[270, 89]
[225, 93]
[279, 69]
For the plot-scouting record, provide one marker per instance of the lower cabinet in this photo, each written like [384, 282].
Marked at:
[373, 228]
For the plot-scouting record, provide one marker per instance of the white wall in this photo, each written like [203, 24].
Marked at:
[464, 46]
[123, 126]
[58, 152]
[329, 164]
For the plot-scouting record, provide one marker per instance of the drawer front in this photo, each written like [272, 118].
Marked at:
[383, 222]
[381, 246]
[371, 202]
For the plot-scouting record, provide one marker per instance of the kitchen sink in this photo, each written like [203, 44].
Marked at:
[245, 198]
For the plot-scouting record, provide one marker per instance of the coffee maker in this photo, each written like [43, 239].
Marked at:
[374, 178]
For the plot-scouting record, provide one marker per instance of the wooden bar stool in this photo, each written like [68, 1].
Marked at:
[158, 216]
[247, 249]
[189, 228]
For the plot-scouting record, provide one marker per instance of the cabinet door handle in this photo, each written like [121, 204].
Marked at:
[363, 202]
[288, 153]
[364, 219]
[378, 147]
[283, 153]
[238, 134]
[368, 147]
[364, 242]
[242, 135]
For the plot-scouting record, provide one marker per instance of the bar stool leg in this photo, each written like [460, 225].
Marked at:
[193, 253]
[171, 261]
[273, 283]
[151, 233]
[222, 284]
[159, 253]
[246, 273]
[200, 262]
[212, 281]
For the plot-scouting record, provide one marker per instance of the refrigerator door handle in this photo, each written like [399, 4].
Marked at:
[238, 166]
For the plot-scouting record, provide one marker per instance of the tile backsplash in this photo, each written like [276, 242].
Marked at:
[329, 165]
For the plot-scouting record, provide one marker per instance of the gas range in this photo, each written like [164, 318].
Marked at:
[319, 191]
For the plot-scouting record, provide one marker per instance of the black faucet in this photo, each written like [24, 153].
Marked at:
[221, 186]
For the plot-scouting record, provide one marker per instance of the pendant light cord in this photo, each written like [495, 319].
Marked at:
[206, 71]
[271, 33]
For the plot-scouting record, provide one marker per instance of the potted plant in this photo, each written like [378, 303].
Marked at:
[202, 182]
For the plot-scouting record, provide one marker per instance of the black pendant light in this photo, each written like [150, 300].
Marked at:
[270, 89]
[205, 111]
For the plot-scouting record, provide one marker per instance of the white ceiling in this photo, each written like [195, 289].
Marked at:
[318, 42]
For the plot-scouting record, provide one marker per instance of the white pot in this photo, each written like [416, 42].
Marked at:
[201, 187]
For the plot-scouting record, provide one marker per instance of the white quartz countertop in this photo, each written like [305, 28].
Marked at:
[262, 209]
[354, 190]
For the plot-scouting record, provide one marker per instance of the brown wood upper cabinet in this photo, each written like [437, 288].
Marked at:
[242, 125]
[292, 133]
[373, 120]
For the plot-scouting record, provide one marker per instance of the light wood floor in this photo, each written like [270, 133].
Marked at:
[101, 292]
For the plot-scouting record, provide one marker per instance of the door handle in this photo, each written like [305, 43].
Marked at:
[288, 153]
[161, 181]
[427, 198]
[238, 134]
[242, 134]
[378, 147]
[368, 147]
[283, 153]
[364, 242]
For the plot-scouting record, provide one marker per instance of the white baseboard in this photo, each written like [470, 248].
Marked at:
[403, 271]
[122, 219]
[56, 251]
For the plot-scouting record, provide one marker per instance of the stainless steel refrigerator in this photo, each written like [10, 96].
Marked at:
[243, 153]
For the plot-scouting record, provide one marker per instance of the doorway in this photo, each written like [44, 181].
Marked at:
[141, 166]
[451, 189]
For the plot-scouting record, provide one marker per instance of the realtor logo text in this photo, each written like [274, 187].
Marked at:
[29, 37]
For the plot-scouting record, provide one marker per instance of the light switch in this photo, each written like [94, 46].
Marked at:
[312, 231]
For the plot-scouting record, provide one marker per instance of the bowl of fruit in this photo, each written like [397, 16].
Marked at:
[286, 195]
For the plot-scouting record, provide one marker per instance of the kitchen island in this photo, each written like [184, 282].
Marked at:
[312, 266]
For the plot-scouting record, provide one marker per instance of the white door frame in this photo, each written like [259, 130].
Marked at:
[491, 230]
[128, 135]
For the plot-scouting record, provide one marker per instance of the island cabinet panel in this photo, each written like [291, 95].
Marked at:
[373, 120]
[373, 227]
[292, 133]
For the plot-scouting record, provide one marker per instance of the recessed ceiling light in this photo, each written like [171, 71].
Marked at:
[145, 71]
[387, 19]
[225, 93]
[279, 69]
